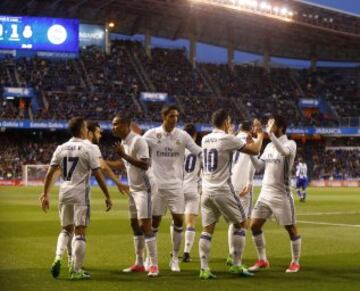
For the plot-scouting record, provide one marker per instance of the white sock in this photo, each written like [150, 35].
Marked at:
[139, 245]
[189, 239]
[69, 247]
[259, 241]
[62, 242]
[230, 234]
[204, 250]
[79, 249]
[238, 242]
[151, 249]
[295, 245]
[172, 232]
[156, 230]
[176, 240]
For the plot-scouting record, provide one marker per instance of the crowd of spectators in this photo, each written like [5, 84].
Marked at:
[339, 87]
[326, 160]
[97, 85]
[336, 164]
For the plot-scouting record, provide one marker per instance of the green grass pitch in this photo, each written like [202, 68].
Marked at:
[329, 223]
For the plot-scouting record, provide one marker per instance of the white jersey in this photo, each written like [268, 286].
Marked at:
[301, 171]
[136, 147]
[192, 169]
[76, 159]
[167, 151]
[277, 176]
[242, 168]
[96, 150]
[218, 148]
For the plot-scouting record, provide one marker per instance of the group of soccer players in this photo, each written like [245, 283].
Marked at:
[166, 169]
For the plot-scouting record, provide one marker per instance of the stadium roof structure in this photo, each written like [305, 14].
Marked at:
[312, 31]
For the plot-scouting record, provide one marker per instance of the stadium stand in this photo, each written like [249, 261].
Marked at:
[97, 85]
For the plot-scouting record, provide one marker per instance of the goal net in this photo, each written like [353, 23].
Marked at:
[34, 175]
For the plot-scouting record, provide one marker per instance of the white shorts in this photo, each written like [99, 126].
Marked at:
[247, 203]
[71, 214]
[283, 212]
[140, 205]
[168, 198]
[192, 203]
[227, 204]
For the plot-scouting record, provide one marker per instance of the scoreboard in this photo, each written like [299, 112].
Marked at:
[39, 33]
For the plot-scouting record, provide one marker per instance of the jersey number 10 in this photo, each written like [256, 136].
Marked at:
[210, 160]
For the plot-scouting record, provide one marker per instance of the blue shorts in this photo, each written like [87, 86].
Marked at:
[301, 183]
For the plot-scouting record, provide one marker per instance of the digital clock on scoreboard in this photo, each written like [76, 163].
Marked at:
[39, 33]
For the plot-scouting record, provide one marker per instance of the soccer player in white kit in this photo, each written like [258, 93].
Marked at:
[301, 179]
[134, 150]
[76, 161]
[218, 196]
[192, 179]
[93, 139]
[167, 150]
[242, 175]
[275, 197]
[94, 136]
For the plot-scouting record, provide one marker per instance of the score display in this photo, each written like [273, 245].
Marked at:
[39, 33]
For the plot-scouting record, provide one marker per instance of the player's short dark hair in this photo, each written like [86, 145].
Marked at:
[124, 118]
[166, 109]
[75, 125]
[92, 125]
[190, 128]
[219, 117]
[281, 122]
[246, 125]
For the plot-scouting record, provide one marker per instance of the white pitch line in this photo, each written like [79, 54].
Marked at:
[328, 213]
[329, 224]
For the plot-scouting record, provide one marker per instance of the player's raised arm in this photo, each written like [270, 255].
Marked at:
[143, 164]
[254, 147]
[102, 184]
[272, 128]
[257, 163]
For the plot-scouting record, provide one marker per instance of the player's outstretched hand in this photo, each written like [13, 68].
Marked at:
[119, 148]
[123, 189]
[257, 127]
[45, 205]
[108, 204]
[271, 125]
[245, 190]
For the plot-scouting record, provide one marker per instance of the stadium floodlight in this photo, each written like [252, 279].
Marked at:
[254, 4]
[261, 7]
[242, 2]
[283, 11]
